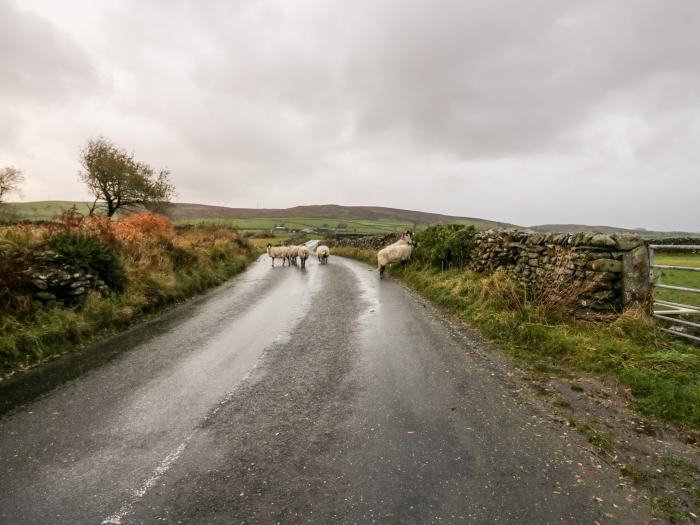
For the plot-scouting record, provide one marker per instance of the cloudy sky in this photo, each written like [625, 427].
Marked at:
[530, 112]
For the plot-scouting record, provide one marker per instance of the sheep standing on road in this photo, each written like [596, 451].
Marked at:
[277, 252]
[292, 254]
[323, 252]
[303, 253]
[399, 252]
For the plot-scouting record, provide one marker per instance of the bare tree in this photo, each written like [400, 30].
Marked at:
[10, 180]
[112, 175]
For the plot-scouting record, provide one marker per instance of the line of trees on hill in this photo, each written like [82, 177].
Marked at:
[113, 177]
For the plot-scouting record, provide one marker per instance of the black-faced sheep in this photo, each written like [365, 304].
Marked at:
[399, 252]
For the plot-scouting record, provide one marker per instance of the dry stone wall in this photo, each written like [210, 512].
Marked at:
[588, 273]
[54, 281]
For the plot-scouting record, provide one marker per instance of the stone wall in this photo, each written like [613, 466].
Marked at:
[588, 273]
[54, 281]
[367, 242]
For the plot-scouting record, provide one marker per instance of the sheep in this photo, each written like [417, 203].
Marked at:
[277, 252]
[303, 255]
[400, 251]
[292, 254]
[323, 252]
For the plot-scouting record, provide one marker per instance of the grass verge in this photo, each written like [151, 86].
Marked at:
[159, 268]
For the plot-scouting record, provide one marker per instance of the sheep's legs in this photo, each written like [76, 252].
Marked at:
[381, 271]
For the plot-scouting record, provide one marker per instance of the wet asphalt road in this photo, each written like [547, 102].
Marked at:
[289, 396]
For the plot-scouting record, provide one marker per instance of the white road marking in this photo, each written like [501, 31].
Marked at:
[160, 470]
[117, 517]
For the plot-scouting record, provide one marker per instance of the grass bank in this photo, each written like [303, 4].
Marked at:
[155, 265]
[661, 373]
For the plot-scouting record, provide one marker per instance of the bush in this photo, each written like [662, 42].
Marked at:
[15, 284]
[445, 246]
[144, 226]
[89, 254]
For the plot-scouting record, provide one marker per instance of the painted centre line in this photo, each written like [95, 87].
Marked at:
[126, 508]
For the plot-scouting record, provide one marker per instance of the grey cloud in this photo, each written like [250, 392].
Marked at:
[539, 111]
[38, 61]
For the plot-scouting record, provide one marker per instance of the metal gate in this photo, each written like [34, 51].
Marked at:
[674, 286]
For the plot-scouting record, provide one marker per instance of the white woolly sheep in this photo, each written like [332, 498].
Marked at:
[277, 252]
[323, 252]
[303, 253]
[292, 254]
[399, 252]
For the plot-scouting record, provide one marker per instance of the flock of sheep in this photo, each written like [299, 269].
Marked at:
[398, 252]
[290, 254]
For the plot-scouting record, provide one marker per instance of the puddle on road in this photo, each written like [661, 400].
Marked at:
[369, 288]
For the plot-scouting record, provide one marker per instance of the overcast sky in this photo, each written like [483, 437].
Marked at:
[522, 111]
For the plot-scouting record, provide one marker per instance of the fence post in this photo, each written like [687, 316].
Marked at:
[636, 282]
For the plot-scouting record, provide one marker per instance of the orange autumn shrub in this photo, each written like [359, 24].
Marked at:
[142, 228]
[72, 221]
[100, 226]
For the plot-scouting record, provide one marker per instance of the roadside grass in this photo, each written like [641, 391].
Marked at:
[159, 272]
[661, 373]
[56, 330]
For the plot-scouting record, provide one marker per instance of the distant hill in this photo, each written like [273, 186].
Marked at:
[187, 211]
[642, 232]
[367, 219]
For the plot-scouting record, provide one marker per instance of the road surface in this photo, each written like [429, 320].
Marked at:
[288, 396]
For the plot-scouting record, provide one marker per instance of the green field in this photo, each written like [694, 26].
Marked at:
[42, 210]
[298, 223]
[683, 278]
[45, 210]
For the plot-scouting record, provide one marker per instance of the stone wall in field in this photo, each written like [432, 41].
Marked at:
[55, 282]
[587, 272]
[367, 242]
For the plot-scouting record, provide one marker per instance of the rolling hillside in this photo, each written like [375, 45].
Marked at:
[363, 217]
[574, 228]
[356, 219]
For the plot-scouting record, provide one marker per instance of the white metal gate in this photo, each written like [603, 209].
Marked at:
[670, 298]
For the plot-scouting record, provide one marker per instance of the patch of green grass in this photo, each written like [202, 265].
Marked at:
[669, 508]
[670, 503]
[684, 474]
[576, 387]
[641, 478]
[601, 440]
[687, 279]
[45, 210]
[366, 227]
[561, 402]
